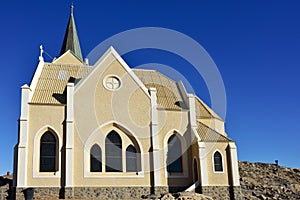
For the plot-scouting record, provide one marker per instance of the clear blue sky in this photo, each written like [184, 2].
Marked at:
[255, 45]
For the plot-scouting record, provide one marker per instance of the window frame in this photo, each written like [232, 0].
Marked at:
[97, 158]
[184, 147]
[214, 164]
[174, 162]
[44, 155]
[133, 159]
[36, 153]
[119, 153]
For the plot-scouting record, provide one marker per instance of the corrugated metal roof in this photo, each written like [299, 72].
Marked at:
[53, 80]
[209, 135]
[168, 94]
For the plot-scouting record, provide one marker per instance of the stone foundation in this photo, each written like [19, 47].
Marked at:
[107, 193]
[222, 192]
[103, 193]
[160, 190]
[41, 192]
[236, 192]
[110, 192]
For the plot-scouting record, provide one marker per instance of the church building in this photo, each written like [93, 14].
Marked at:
[108, 131]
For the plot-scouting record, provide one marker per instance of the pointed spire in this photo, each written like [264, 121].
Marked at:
[71, 41]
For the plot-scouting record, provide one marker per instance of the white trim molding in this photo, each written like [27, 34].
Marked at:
[37, 73]
[69, 136]
[154, 136]
[23, 138]
[192, 117]
[234, 164]
[203, 163]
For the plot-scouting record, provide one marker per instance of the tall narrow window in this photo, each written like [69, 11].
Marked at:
[48, 153]
[131, 161]
[96, 159]
[113, 152]
[174, 156]
[218, 162]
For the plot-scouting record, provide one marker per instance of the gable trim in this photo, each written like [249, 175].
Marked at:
[112, 51]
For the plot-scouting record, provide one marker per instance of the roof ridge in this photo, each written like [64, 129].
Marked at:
[227, 138]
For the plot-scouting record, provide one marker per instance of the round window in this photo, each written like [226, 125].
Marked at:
[112, 83]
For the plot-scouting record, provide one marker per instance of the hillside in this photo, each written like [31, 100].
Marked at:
[269, 181]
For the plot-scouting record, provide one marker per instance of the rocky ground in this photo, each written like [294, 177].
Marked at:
[269, 181]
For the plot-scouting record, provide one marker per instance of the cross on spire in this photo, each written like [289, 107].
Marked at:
[71, 41]
[72, 8]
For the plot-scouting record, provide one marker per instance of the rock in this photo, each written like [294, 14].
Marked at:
[191, 196]
[295, 188]
[269, 181]
[262, 197]
[167, 196]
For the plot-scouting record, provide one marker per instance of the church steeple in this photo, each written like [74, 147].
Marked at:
[71, 41]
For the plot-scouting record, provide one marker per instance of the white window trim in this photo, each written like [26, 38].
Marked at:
[185, 166]
[213, 162]
[36, 154]
[101, 142]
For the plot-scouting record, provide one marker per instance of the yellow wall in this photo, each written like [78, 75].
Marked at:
[217, 178]
[99, 110]
[42, 117]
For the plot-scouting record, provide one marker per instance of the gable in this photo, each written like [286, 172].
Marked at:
[68, 58]
[111, 91]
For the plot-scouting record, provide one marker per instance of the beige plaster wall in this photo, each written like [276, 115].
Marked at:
[42, 117]
[217, 178]
[99, 110]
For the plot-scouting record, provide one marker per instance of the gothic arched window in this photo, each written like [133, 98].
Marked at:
[131, 159]
[218, 165]
[48, 153]
[96, 159]
[113, 152]
[174, 155]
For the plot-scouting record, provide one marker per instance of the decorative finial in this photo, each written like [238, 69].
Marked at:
[41, 53]
[72, 8]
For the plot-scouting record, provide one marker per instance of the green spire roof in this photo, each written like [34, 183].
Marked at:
[71, 41]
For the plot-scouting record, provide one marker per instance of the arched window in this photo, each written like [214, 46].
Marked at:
[96, 159]
[131, 159]
[174, 156]
[218, 165]
[48, 153]
[113, 152]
